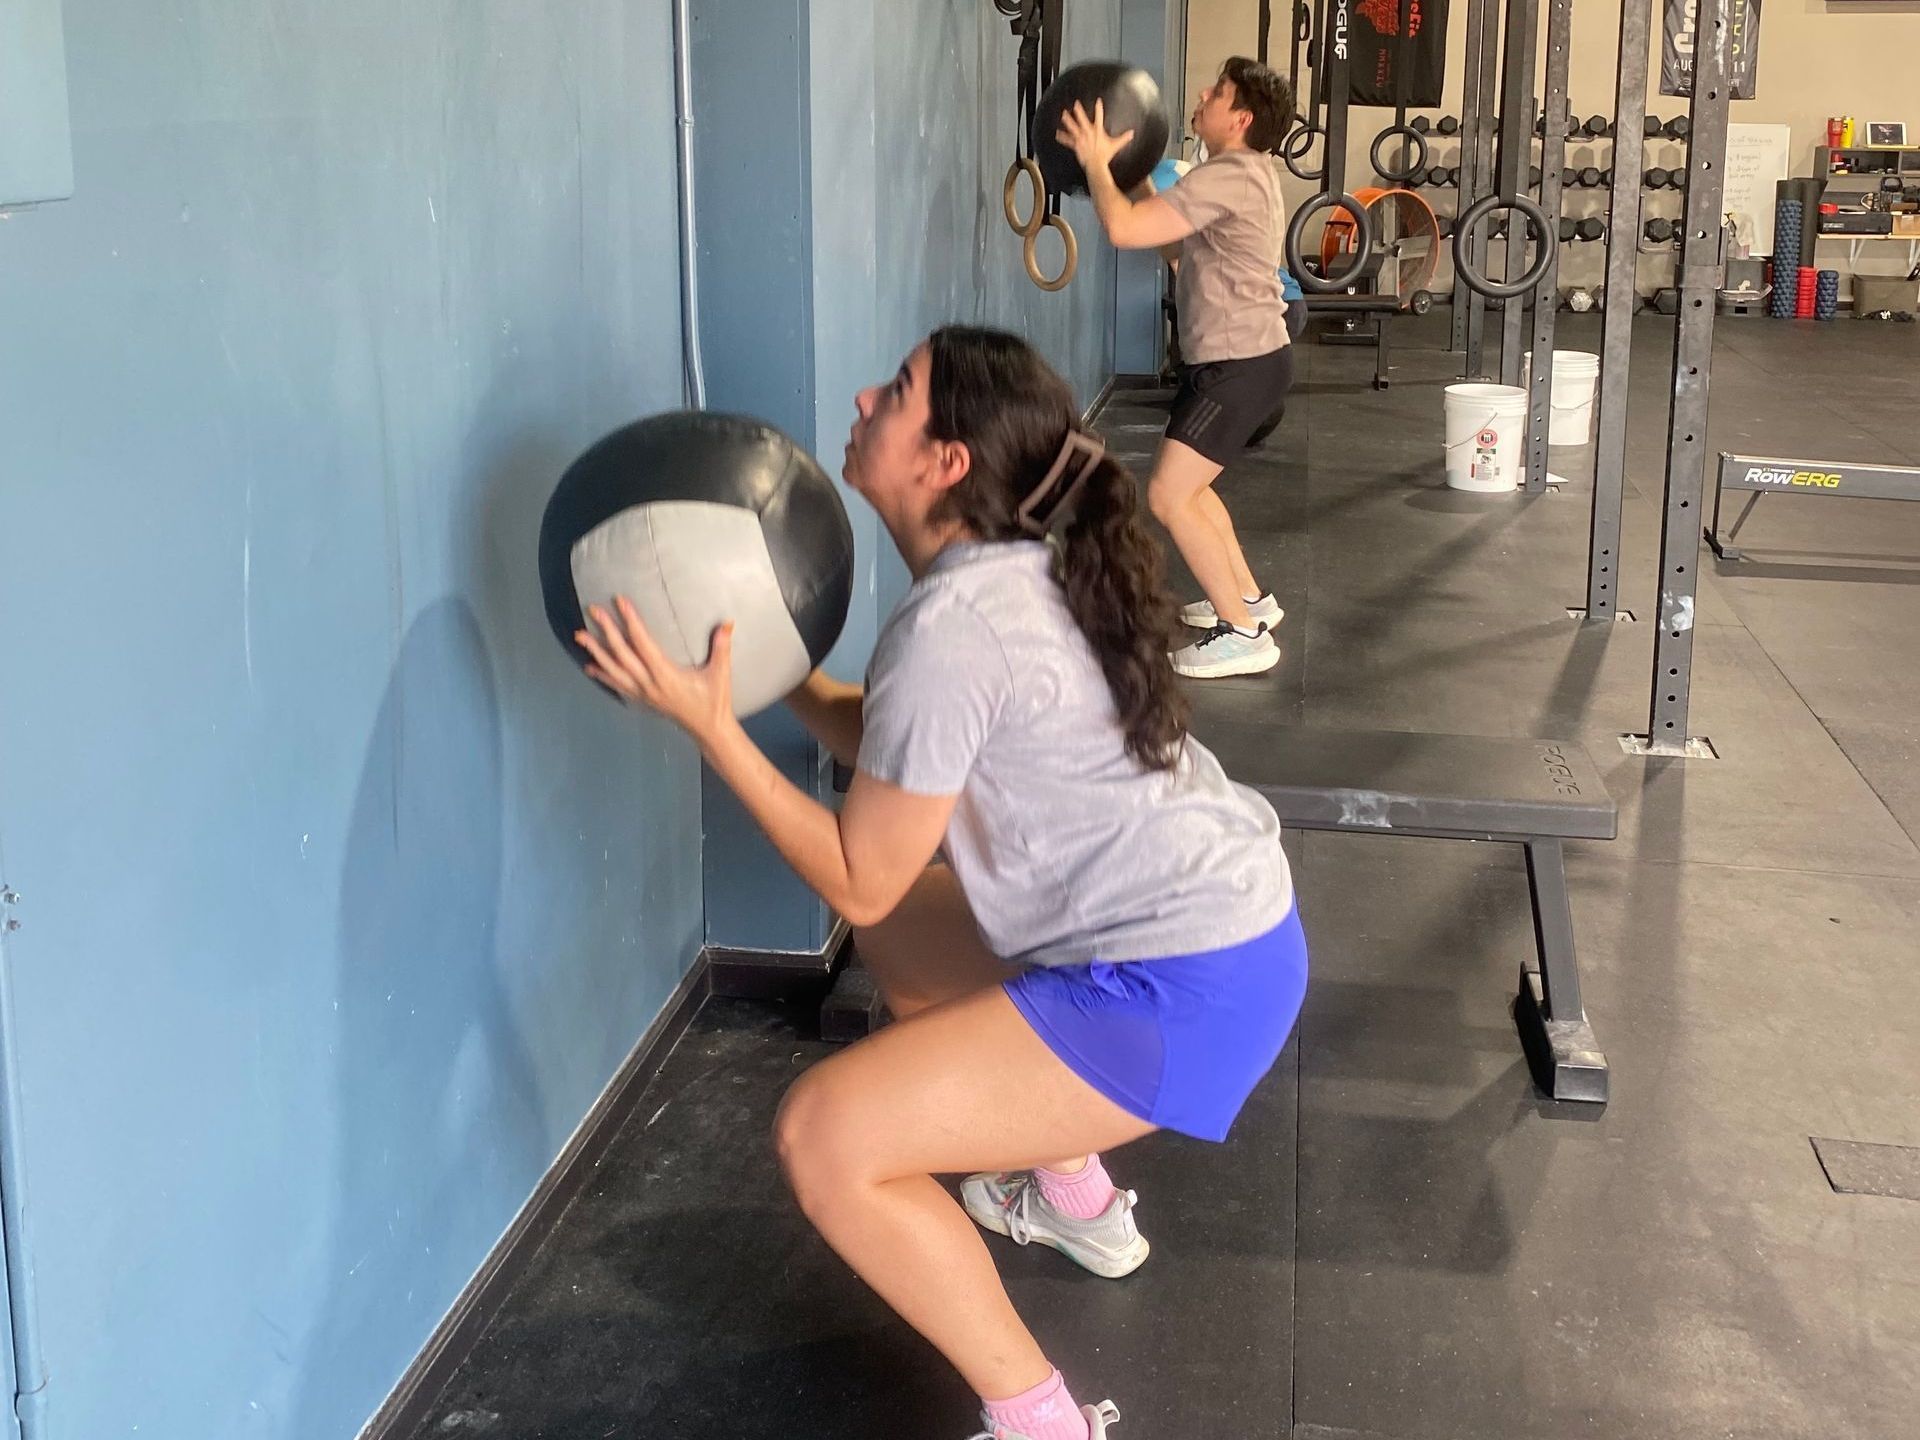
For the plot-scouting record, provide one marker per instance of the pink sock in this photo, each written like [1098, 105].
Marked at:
[1046, 1412]
[1084, 1195]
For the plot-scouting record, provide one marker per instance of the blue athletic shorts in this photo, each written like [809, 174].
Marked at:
[1179, 1042]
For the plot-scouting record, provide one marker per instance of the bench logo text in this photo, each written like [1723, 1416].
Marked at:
[1558, 770]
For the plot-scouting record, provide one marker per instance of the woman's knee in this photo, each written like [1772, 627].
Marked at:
[816, 1139]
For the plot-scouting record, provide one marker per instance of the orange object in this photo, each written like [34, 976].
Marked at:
[1416, 220]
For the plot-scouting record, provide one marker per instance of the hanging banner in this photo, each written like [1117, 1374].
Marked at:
[1377, 52]
[1677, 46]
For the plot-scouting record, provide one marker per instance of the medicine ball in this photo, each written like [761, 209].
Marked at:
[699, 518]
[1133, 103]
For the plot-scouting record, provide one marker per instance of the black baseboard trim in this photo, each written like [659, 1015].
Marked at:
[797, 976]
[413, 1398]
[1099, 402]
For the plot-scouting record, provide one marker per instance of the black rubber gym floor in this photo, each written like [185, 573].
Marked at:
[1403, 1239]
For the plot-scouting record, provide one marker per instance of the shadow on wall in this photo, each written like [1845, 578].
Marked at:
[471, 1034]
[437, 1101]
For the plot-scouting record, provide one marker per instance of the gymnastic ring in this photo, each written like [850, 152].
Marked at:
[1059, 282]
[1416, 164]
[1362, 244]
[1545, 244]
[1296, 145]
[1031, 226]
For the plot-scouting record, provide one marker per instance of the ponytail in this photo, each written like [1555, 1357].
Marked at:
[1111, 570]
[995, 393]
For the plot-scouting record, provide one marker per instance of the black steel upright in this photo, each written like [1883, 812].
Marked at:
[1476, 172]
[1335, 55]
[1516, 156]
[1701, 261]
[1546, 306]
[1616, 342]
[1469, 102]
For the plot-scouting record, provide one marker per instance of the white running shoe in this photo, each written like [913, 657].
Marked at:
[1099, 1417]
[1202, 616]
[1223, 650]
[1110, 1244]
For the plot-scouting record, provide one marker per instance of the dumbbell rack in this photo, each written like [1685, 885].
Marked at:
[1659, 232]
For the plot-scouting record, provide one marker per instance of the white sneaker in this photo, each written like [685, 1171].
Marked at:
[1099, 1417]
[1202, 616]
[1223, 650]
[1011, 1204]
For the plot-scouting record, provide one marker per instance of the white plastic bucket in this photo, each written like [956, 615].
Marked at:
[1575, 373]
[1486, 436]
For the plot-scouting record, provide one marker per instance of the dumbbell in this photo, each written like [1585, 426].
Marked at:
[1444, 224]
[1569, 176]
[1453, 175]
[1598, 126]
[1592, 175]
[1678, 128]
[1567, 230]
[1420, 123]
[1590, 228]
[1652, 124]
[1448, 125]
[1657, 179]
[1659, 230]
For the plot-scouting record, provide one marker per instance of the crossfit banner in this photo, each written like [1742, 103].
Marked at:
[1677, 43]
[1377, 51]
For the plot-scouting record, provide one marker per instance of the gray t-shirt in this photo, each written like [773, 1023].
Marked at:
[1228, 290]
[1069, 850]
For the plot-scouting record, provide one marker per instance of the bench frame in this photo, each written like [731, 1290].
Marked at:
[1369, 324]
[1554, 1030]
[1566, 800]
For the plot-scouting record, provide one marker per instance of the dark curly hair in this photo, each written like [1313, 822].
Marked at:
[1264, 95]
[992, 392]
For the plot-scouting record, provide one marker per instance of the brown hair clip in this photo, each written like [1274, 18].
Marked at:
[1094, 449]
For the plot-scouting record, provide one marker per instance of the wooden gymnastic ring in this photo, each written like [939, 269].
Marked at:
[1037, 218]
[1059, 282]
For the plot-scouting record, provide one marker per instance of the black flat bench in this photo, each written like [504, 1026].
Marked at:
[1353, 311]
[1532, 793]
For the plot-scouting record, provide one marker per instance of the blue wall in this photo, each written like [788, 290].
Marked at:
[914, 126]
[342, 895]
[756, 317]
[906, 119]
[1152, 36]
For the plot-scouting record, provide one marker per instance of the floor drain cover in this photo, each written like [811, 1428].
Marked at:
[1854, 1168]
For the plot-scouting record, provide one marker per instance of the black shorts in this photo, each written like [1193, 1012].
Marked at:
[1222, 402]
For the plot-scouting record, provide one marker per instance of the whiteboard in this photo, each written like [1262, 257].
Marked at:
[1756, 160]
